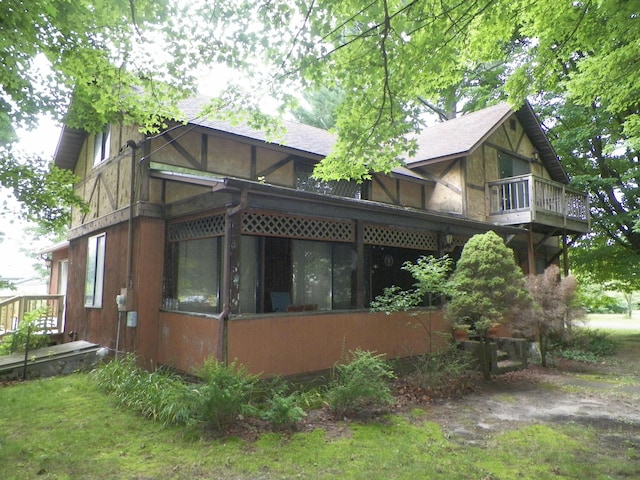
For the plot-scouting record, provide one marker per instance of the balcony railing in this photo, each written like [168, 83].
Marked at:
[530, 199]
[49, 317]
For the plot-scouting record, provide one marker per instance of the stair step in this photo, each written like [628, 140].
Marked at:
[502, 355]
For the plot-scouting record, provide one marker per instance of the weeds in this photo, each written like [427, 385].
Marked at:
[451, 366]
[160, 395]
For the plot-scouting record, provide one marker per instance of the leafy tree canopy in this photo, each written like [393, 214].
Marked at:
[392, 58]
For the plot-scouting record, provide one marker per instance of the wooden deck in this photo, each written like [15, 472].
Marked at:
[528, 199]
[49, 361]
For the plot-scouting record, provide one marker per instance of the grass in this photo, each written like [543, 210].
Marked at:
[66, 428]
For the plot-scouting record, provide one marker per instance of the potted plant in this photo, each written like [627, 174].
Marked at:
[461, 331]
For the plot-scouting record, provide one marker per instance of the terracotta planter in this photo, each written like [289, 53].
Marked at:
[460, 334]
[493, 331]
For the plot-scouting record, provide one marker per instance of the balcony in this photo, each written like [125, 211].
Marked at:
[545, 204]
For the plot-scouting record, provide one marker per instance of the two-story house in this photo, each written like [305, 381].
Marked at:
[207, 240]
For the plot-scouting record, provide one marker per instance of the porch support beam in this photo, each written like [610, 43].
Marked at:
[360, 301]
[531, 252]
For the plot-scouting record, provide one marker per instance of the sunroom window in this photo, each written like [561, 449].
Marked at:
[195, 276]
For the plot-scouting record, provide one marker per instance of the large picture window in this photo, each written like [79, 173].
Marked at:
[94, 280]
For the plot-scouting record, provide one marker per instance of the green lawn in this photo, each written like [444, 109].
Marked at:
[64, 428]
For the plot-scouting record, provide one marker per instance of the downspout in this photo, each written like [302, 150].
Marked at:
[133, 146]
[129, 284]
[221, 347]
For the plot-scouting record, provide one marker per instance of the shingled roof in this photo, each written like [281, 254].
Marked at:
[458, 136]
[447, 140]
[297, 136]
[462, 135]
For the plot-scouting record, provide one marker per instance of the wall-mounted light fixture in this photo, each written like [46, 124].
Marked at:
[447, 239]
[536, 156]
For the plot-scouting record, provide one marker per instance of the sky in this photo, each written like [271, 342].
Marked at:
[14, 262]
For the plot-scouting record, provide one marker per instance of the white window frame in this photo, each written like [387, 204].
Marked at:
[94, 280]
[102, 145]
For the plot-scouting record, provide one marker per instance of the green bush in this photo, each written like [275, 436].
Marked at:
[227, 391]
[17, 341]
[594, 341]
[360, 385]
[587, 345]
[282, 411]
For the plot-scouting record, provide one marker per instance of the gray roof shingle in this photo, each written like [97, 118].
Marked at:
[458, 136]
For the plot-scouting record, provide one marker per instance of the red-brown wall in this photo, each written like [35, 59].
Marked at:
[186, 341]
[295, 344]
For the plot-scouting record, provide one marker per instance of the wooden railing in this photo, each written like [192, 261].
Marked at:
[50, 317]
[530, 199]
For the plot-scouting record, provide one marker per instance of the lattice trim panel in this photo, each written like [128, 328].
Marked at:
[256, 223]
[198, 228]
[395, 237]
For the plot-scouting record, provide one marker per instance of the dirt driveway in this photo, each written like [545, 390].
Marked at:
[604, 396]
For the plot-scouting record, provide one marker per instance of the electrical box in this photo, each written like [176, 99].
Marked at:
[121, 300]
[132, 319]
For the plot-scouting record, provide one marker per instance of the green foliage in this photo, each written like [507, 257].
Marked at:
[27, 331]
[45, 192]
[160, 395]
[594, 341]
[360, 385]
[226, 392]
[323, 104]
[596, 300]
[430, 274]
[283, 411]
[487, 284]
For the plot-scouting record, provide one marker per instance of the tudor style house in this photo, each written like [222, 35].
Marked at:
[208, 240]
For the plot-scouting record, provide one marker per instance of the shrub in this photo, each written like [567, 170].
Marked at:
[360, 385]
[596, 342]
[432, 371]
[226, 392]
[17, 341]
[282, 411]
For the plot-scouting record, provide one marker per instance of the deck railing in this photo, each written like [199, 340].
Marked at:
[528, 198]
[50, 308]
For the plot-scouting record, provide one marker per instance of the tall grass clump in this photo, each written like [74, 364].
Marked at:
[360, 385]
[160, 395]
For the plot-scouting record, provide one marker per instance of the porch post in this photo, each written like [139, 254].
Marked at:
[565, 256]
[531, 253]
[359, 264]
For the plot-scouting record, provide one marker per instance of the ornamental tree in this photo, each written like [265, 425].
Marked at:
[554, 309]
[487, 284]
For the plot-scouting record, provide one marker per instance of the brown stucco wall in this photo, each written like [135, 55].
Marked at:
[186, 341]
[293, 344]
